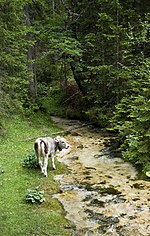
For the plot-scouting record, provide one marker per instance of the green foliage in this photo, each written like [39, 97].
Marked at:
[35, 196]
[97, 115]
[30, 160]
[102, 45]
[65, 47]
[49, 98]
[147, 169]
[13, 54]
[132, 118]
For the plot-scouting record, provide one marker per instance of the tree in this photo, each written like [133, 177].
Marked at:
[13, 46]
[132, 115]
[31, 55]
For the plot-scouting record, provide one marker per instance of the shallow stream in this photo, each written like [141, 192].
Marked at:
[101, 194]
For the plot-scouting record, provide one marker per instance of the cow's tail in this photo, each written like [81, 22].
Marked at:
[43, 144]
[40, 147]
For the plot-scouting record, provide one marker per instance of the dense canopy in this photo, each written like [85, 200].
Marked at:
[84, 59]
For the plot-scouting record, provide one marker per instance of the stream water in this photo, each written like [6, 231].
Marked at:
[101, 194]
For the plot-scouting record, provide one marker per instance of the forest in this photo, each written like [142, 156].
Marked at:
[80, 59]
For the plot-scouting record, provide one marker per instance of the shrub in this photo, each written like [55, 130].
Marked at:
[30, 160]
[147, 169]
[35, 196]
[98, 115]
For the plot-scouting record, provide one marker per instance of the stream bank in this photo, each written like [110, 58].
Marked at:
[101, 194]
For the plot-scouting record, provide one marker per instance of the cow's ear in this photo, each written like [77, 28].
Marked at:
[56, 140]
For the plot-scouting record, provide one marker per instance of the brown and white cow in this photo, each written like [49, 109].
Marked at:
[45, 147]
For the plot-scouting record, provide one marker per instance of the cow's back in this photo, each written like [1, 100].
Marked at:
[40, 147]
[50, 144]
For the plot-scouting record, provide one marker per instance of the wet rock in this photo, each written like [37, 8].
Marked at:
[97, 156]
[103, 191]
[88, 177]
[104, 153]
[123, 214]
[118, 200]
[139, 208]
[109, 190]
[87, 172]
[70, 226]
[87, 198]
[93, 215]
[138, 186]
[103, 182]
[132, 217]
[89, 187]
[109, 220]
[136, 199]
[97, 203]
[108, 176]
[129, 176]
[69, 187]
[80, 146]
[119, 230]
[74, 158]
[90, 168]
[105, 222]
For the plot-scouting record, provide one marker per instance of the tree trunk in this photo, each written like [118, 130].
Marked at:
[30, 57]
[78, 78]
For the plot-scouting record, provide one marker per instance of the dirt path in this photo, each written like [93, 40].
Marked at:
[101, 194]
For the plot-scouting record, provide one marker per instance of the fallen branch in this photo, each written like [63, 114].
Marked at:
[74, 128]
[65, 132]
[71, 97]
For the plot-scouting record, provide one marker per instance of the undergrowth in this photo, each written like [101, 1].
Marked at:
[30, 161]
[17, 218]
[35, 196]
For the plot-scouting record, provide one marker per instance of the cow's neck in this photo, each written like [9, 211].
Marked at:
[57, 147]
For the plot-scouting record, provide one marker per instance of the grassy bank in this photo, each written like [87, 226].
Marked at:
[18, 218]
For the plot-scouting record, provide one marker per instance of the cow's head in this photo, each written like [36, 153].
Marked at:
[61, 143]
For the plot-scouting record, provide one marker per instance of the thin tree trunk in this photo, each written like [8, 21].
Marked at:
[30, 57]
[78, 79]
[117, 56]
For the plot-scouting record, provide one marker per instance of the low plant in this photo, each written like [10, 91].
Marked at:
[30, 160]
[35, 196]
[147, 169]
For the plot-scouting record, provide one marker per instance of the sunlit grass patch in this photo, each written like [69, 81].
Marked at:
[18, 218]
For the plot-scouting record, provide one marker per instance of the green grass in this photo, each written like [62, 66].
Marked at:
[18, 218]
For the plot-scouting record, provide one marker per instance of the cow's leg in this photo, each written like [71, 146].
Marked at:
[40, 164]
[39, 161]
[53, 164]
[45, 165]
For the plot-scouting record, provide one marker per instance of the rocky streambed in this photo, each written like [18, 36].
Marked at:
[101, 194]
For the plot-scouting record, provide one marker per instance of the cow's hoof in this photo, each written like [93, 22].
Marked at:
[54, 168]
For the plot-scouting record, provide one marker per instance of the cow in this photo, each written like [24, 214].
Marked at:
[47, 146]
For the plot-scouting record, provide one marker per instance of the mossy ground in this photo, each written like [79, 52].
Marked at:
[18, 218]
